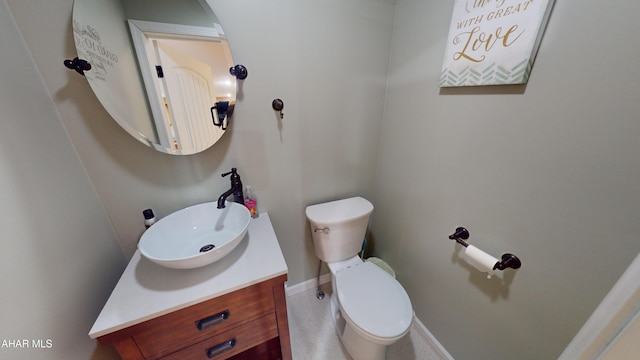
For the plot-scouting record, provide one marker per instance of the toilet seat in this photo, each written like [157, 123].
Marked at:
[373, 300]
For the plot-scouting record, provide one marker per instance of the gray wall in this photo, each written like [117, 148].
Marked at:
[548, 171]
[60, 257]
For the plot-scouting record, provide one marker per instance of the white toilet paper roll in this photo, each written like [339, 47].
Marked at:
[480, 259]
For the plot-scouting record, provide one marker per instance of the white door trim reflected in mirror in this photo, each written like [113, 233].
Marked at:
[180, 88]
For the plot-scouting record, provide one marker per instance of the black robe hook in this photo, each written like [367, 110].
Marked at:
[278, 105]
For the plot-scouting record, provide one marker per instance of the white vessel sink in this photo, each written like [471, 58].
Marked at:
[195, 236]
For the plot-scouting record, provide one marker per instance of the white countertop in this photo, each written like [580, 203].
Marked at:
[146, 290]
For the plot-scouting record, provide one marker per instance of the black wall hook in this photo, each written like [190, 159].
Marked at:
[278, 105]
[239, 71]
[79, 65]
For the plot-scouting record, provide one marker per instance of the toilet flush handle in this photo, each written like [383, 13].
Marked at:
[324, 230]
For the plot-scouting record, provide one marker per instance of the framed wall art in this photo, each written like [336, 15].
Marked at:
[493, 42]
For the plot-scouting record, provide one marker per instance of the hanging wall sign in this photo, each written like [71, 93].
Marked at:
[493, 42]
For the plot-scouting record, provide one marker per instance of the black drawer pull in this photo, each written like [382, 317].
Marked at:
[220, 348]
[204, 324]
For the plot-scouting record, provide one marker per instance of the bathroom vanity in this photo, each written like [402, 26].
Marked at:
[234, 308]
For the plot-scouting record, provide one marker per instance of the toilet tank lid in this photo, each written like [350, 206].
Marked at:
[339, 210]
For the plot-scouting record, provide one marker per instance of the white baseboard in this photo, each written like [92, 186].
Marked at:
[306, 285]
[417, 324]
[430, 339]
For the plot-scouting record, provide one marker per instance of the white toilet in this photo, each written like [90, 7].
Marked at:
[370, 309]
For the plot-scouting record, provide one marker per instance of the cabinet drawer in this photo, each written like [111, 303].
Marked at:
[168, 333]
[231, 342]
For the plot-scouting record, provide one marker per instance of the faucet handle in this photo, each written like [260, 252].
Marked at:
[233, 171]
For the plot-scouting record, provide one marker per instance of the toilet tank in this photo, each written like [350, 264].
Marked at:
[338, 227]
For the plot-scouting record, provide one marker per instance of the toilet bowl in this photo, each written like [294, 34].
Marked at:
[369, 307]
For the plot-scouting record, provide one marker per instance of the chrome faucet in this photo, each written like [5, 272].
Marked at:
[236, 189]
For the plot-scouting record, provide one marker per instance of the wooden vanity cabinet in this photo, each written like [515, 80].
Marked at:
[249, 323]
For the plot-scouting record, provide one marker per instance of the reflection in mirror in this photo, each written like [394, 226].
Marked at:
[169, 92]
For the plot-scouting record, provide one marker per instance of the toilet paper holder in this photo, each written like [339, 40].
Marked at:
[507, 260]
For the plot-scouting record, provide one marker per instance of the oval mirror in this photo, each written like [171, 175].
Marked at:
[160, 68]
